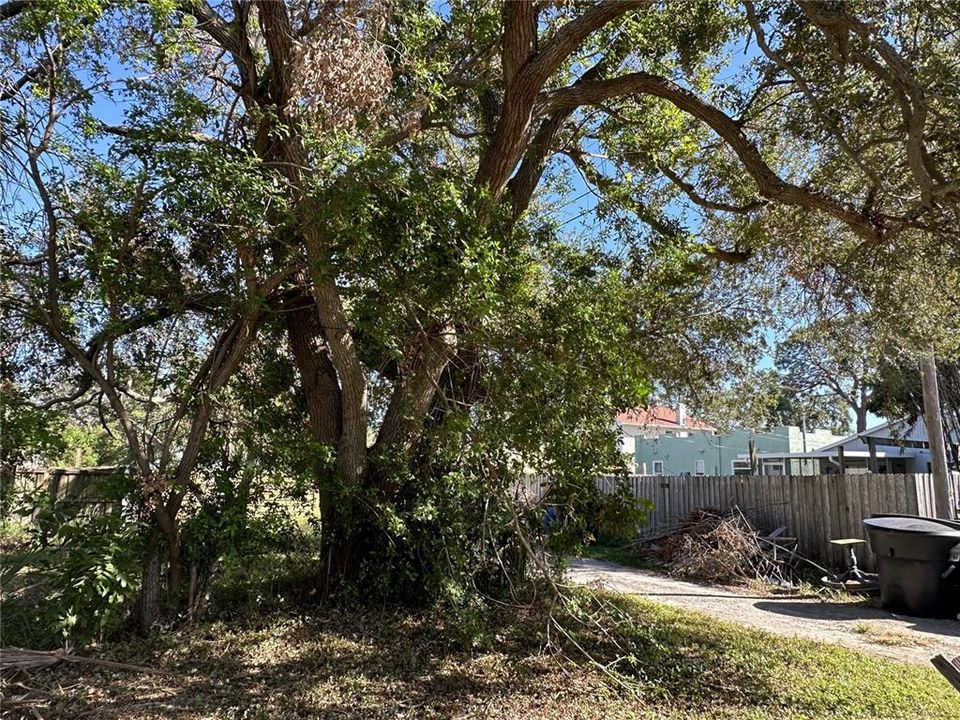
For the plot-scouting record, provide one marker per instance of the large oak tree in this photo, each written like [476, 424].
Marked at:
[402, 171]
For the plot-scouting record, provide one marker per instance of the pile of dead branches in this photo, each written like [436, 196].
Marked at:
[712, 546]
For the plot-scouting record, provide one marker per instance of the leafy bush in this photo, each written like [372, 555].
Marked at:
[97, 574]
[238, 556]
[82, 566]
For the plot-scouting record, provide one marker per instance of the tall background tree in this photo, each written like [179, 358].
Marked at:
[898, 393]
[834, 359]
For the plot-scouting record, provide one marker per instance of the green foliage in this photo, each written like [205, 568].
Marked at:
[813, 411]
[92, 444]
[556, 362]
[25, 430]
[249, 559]
[97, 571]
[56, 437]
[87, 563]
[897, 390]
[762, 400]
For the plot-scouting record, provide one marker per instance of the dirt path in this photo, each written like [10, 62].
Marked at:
[871, 630]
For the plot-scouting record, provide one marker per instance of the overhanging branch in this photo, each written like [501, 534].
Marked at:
[769, 184]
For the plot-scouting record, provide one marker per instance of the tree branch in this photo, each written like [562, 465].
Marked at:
[525, 81]
[836, 23]
[691, 192]
[818, 108]
[769, 184]
[519, 37]
[523, 184]
[415, 390]
[568, 38]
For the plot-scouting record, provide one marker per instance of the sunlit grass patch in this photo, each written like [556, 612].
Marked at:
[623, 658]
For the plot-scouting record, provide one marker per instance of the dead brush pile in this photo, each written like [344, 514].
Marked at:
[711, 546]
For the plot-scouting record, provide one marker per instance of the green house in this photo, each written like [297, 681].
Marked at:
[666, 441]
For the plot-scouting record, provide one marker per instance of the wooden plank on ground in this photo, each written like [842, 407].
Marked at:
[949, 668]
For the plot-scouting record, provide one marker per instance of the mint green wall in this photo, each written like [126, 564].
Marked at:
[680, 454]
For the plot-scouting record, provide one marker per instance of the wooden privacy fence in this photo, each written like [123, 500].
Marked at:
[814, 508]
[73, 486]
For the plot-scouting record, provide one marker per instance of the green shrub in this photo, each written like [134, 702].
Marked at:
[74, 576]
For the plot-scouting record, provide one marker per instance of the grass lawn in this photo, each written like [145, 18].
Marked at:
[363, 664]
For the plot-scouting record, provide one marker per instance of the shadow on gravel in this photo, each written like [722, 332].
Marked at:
[834, 612]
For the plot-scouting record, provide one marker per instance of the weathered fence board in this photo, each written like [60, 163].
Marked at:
[815, 509]
[71, 486]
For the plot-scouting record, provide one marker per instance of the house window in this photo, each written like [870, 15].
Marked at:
[683, 433]
[698, 468]
[740, 467]
[658, 467]
[772, 468]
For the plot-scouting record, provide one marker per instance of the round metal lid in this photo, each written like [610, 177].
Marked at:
[920, 526]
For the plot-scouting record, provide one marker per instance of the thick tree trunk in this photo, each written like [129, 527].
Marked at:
[163, 543]
[415, 390]
[317, 374]
[173, 568]
[861, 413]
[352, 446]
[149, 604]
[322, 393]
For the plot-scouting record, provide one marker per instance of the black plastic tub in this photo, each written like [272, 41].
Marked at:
[918, 563]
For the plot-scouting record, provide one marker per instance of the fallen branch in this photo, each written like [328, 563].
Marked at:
[20, 659]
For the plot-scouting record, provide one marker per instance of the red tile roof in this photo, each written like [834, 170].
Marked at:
[660, 416]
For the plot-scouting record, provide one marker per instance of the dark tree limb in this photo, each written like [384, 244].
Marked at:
[769, 184]
[352, 457]
[12, 8]
[525, 78]
[691, 192]
[416, 389]
[524, 183]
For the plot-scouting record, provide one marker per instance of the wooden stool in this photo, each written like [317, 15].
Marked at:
[853, 571]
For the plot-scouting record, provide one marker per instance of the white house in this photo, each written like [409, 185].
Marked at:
[892, 447]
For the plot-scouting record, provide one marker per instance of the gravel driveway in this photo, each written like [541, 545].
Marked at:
[871, 630]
